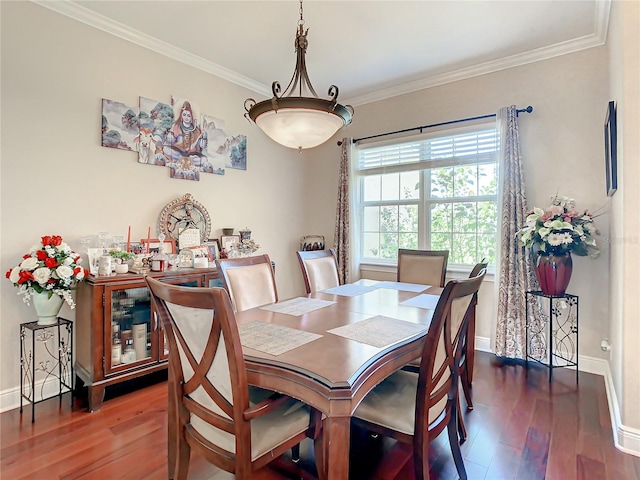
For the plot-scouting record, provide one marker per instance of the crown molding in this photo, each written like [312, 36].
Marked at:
[512, 61]
[84, 15]
[88, 17]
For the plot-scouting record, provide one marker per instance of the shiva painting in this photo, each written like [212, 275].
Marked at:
[119, 125]
[186, 142]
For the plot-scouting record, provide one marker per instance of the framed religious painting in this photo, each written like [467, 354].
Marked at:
[611, 149]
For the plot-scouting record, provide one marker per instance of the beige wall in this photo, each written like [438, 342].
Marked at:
[57, 179]
[562, 145]
[624, 67]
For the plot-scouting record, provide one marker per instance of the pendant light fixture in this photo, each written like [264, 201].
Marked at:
[301, 121]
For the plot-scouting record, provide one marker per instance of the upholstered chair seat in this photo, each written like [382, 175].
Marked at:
[250, 281]
[424, 267]
[319, 269]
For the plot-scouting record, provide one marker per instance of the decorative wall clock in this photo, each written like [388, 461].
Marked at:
[184, 213]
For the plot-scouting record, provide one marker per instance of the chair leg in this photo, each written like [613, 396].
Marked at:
[455, 448]
[182, 466]
[462, 431]
[466, 389]
[295, 453]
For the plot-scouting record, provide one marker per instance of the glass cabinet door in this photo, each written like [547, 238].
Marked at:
[134, 336]
[131, 338]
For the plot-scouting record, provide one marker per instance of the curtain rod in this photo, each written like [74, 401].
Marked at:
[529, 109]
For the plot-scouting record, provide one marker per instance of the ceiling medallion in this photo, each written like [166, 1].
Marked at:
[299, 121]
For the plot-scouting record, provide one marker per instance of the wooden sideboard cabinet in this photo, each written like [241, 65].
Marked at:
[118, 336]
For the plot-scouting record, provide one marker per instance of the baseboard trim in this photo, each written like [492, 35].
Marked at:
[625, 439]
[10, 398]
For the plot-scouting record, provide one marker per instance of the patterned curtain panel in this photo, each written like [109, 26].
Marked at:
[515, 272]
[341, 237]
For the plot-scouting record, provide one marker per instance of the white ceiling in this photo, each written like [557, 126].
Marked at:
[369, 49]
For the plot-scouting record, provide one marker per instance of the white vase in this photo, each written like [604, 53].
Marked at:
[47, 308]
[122, 268]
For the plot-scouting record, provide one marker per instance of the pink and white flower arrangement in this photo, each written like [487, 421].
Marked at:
[50, 266]
[560, 229]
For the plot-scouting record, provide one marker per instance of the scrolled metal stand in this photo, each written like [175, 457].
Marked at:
[58, 361]
[552, 338]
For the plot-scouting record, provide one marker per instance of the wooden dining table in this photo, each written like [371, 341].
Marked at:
[335, 367]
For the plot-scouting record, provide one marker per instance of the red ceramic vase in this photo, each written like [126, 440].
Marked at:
[554, 273]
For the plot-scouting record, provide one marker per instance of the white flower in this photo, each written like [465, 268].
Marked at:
[41, 275]
[63, 271]
[67, 261]
[555, 239]
[15, 275]
[80, 274]
[567, 238]
[29, 263]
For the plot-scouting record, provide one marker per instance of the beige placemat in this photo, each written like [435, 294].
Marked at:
[350, 290]
[426, 300]
[298, 306]
[273, 339]
[379, 331]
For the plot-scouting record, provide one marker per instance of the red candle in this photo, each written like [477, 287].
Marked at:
[148, 238]
[129, 239]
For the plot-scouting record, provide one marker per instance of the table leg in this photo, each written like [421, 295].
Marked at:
[337, 436]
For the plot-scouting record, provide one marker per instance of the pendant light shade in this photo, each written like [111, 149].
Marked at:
[299, 121]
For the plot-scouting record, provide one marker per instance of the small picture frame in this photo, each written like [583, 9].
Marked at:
[611, 149]
[185, 258]
[214, 247]
[201, 251]
[312, 242]
[229, 241]
[168, 245]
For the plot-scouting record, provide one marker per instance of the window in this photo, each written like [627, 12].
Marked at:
[438, 193]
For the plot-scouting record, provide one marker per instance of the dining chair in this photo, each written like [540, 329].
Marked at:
[250, 281]
[468, 352]
[414, 408]
[319, 269]
[425, 267]
[212, 409]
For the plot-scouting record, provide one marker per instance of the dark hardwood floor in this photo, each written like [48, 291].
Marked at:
[521, 428]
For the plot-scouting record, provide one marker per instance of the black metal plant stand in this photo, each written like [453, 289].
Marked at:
[56, 364]
[552, 330]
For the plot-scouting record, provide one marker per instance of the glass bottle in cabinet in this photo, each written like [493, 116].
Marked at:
[130, 326]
